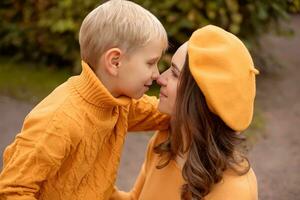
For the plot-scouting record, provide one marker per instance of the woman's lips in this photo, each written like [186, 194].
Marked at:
[162, 94]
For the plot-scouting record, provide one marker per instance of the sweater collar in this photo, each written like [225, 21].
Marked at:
[92, 90]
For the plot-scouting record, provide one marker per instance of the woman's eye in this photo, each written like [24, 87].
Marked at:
[174, 74]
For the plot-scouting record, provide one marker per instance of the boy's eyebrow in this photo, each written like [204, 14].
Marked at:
[175, 66]
[154, 59]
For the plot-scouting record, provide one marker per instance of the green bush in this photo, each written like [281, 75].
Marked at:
[294, 6]
[47, 30]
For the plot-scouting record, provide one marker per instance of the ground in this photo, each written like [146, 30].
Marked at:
[275, 157]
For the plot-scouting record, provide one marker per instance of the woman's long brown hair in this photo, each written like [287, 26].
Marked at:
[211, 146]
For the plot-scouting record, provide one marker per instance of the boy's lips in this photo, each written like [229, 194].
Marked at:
[147, 87]
[148, 84]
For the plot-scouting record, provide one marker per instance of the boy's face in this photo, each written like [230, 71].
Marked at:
[139, 69]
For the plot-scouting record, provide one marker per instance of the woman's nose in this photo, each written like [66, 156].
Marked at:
[161, 80]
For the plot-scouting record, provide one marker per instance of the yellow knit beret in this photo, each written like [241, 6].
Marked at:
[223, 69]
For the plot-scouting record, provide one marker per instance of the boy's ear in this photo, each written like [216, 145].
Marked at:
[112, 59]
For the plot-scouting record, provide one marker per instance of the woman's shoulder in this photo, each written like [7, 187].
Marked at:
[235, 186]
[243, 182]
[152, 158]
[158, 138]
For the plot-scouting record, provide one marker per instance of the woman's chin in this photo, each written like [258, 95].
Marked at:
[163, 108]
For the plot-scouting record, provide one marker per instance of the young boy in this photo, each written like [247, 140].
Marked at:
[70, 144]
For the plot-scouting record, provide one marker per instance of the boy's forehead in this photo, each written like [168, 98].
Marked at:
[153, 49]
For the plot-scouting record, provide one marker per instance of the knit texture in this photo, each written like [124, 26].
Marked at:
[70, 144]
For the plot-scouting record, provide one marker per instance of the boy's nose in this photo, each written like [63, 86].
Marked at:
[155, 73]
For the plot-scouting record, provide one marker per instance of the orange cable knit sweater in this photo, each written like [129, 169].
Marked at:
[70, 144]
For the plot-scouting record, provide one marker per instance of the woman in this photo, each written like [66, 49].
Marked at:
[209, 92]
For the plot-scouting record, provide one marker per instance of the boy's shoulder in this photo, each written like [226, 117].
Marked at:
[60, 100]
[57, 112]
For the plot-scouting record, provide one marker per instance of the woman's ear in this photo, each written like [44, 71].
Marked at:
[112, 60]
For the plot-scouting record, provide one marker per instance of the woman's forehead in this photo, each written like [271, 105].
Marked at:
[180, 55]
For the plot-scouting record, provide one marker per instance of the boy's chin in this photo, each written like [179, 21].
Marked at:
[137, 96]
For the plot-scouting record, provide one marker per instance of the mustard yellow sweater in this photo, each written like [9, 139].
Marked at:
[165, 183]
[70, 144]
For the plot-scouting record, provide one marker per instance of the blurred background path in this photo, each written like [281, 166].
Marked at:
[275, 157]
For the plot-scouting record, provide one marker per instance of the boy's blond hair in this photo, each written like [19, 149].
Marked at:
[118, 23]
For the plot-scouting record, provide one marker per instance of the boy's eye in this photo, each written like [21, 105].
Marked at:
[153, 62]
[150, 64]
